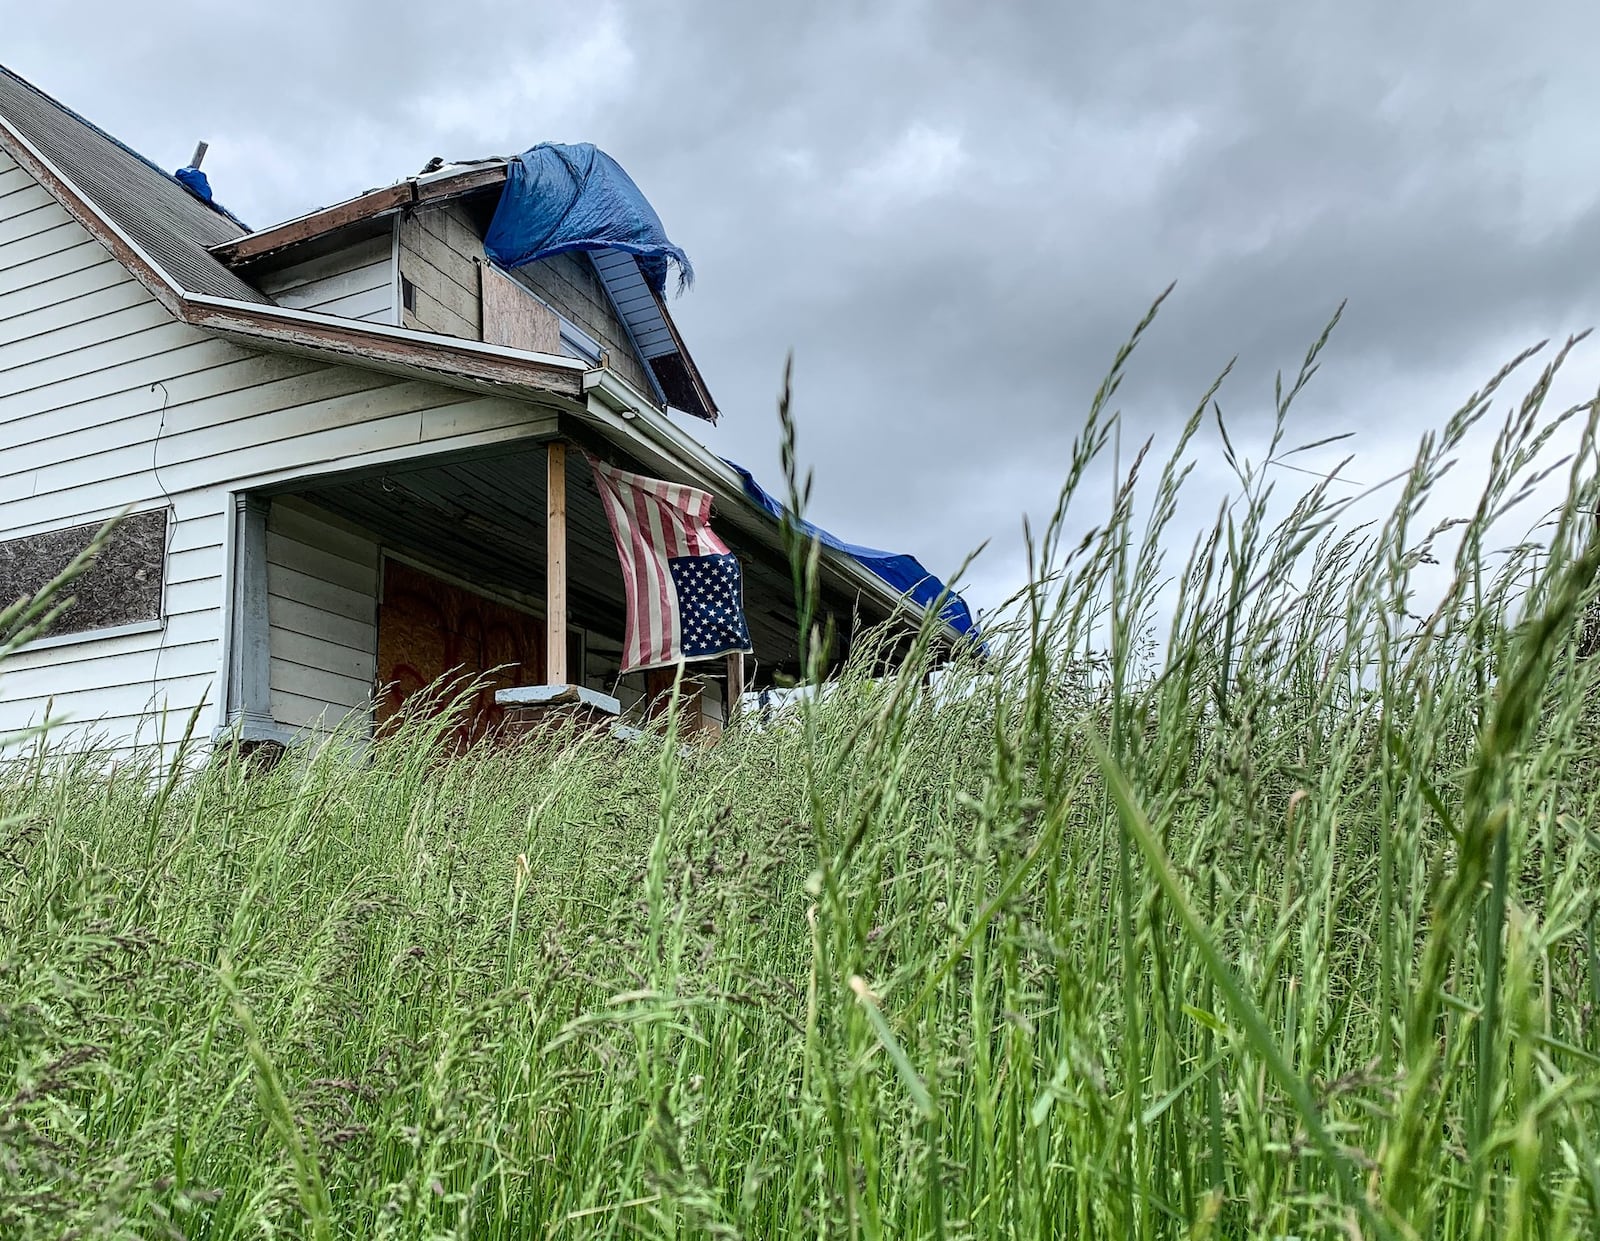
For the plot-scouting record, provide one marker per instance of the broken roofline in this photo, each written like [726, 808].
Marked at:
[625, 416]
[424, 190]
[412, 192]
[444, 357]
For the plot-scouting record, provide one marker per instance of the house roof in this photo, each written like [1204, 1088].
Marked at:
[157, 213]
[673, 373]
[165, 236]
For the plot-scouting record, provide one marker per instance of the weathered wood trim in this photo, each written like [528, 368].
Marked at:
[250, 647]
[303, 228]
[449, 356]
[556, 563]
[366, 206]
[430, 191]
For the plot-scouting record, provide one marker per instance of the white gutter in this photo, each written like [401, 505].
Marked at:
[626, 413]
[384, 331]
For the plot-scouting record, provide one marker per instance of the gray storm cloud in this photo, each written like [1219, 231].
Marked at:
[954, 213]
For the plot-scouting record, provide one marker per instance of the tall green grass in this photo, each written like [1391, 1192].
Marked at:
[1252, 896]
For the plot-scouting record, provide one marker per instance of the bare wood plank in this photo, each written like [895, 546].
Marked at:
[462, 183]
[556, 564]
[258, 244]
[736, 683]
[514, 317]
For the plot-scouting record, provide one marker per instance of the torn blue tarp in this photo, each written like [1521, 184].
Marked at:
[559, 198]
[193, 180]
[902, 572]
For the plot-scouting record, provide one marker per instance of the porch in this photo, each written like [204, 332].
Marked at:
[355, 590]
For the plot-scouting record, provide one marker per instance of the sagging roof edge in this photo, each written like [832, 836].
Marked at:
[412, 192]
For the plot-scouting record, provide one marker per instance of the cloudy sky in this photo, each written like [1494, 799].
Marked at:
[953, 213]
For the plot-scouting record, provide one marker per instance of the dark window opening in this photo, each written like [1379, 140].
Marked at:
[408, 294]
[122, 587]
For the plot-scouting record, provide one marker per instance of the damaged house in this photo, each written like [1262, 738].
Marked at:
[352, 447]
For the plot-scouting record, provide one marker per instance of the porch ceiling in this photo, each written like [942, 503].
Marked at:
[481, 517]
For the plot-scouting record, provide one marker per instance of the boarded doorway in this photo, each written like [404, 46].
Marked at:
[430, 628]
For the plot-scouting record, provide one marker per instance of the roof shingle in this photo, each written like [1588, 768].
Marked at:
[151, 207]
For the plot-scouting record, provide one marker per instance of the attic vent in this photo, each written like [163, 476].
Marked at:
[408, 295]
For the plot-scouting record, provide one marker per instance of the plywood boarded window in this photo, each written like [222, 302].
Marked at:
[430, 629]
[515, 318]
[122, 587]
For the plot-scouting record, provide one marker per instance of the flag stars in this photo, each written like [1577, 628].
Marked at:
[710, 604]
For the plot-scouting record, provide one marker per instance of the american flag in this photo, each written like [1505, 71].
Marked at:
[684, 591]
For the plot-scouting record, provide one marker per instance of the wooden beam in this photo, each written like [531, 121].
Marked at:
[462, 183]
[452, 358]
[265, 241]
[555, 562]
[373, 203]
[735, 685]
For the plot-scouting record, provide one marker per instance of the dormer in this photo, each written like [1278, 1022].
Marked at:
[412, 255]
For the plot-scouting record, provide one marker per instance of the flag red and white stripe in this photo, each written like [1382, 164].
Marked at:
[652, 522]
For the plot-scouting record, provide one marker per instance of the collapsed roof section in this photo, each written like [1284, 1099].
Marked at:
[525, 220]
[198, 262]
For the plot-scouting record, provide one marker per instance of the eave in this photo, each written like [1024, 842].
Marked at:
[410, 193]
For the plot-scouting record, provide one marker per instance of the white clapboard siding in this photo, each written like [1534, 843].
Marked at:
[108, 404]
[322, 600]
[354, 283]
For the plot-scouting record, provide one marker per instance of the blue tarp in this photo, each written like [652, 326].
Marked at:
[559, 198]
[193, 180]
[904, 573]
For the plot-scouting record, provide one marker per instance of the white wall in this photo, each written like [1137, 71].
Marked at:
[355, 283]
[107, 402]
[322, 601]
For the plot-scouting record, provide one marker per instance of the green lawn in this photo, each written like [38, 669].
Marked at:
[1274, 920]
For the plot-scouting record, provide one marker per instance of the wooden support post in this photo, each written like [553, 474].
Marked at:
[555, 556]
[735, 685]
